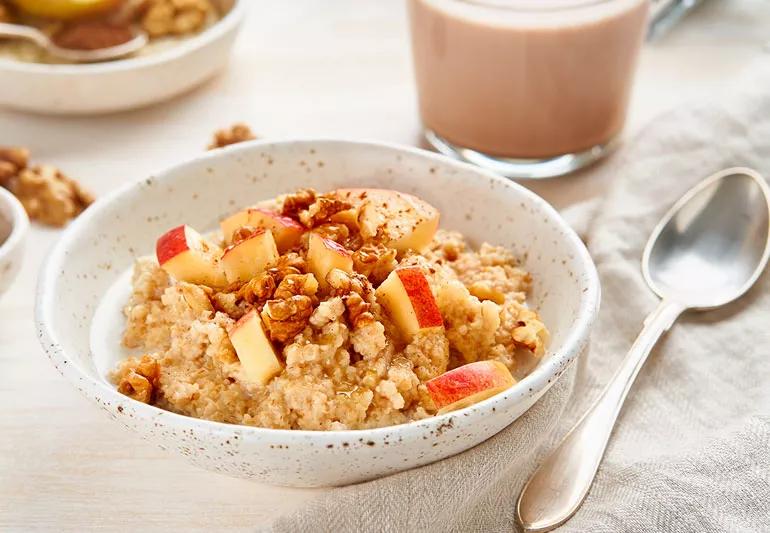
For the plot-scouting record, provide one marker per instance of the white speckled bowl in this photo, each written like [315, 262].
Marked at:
[123, 84]
[13, 230]
[106, 239]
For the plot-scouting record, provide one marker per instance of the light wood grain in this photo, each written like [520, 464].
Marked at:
[332, 68]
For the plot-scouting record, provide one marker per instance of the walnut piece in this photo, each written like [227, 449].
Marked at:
[320, 211]
[175, 17]
[13, 159]
[141, 381]
[341, 283]
[48, 195]
[284, 319]
[375, 262]
[358, 310]
[236, 133]
[296, 284]
[299, 201]
[260, 289]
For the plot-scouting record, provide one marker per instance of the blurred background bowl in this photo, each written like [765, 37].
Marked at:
[80, 89]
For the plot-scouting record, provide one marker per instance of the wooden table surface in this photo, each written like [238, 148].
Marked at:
[332, 68]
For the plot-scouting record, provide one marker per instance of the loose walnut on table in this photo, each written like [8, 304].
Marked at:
[236, 133]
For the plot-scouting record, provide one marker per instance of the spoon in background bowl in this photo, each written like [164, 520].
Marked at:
[17, 31]
[706, 252]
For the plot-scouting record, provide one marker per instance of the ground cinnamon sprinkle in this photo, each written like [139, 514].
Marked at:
[48, 195]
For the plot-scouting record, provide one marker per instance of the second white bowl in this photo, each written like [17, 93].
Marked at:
[123, 84]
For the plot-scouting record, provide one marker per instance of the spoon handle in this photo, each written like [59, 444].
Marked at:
[561, 482]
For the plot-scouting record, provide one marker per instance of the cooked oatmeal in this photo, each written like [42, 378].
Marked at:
[354, 321]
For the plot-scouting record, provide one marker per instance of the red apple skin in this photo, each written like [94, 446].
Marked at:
[421, 297]
[337, 247]
[171, 244]
[467, 380]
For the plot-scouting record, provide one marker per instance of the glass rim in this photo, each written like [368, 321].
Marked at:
[535, 6]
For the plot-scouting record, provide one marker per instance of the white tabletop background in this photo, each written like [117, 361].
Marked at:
[304, 67]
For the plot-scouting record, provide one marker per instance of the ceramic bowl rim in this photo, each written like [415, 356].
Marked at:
[19, 223]
[544, 375]
[222, 27]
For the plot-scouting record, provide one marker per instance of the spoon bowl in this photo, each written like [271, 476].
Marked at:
[713, 243]
[28, 33]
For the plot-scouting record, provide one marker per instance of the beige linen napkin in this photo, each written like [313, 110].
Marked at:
[692, 448]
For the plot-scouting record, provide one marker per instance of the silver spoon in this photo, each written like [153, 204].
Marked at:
[28, 33]
[707, 251]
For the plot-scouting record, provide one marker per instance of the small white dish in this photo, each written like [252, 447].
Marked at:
[94, 252]
[13, 231]
[123, 84]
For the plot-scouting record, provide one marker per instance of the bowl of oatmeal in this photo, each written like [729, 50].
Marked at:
[317, 312]
[189, 41]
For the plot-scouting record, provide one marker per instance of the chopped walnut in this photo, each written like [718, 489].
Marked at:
[175, 17]
[358, 310]
[284, 319]
[299, 201]
[231, 304]
[236, 133]
[336, 232]
[140, 381]
[290, 263]
[320, 211]
[375, 262]
[243, 233]
[296, 284]
[259, 289]
[13, 159]
[342, 283]
[48, 195]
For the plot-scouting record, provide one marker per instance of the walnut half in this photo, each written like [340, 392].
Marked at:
[284, 319]
[140, 380]
[48, 195]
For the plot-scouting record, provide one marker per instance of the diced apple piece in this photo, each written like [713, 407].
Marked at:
[187, 256]
[249, 257]
[323, 255]
[254, 349]
[469, 384]
[407, 297]
[286, 231]
[406, 221]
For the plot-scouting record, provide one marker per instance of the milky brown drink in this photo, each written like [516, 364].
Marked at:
[526, 78]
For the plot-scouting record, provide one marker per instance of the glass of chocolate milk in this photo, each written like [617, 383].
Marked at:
[528, 88]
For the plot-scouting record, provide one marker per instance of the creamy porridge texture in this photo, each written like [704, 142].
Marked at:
[342, 310]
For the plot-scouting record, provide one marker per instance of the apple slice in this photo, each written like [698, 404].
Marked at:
[251, 256]
[254, 349]
[407, 297]
[187, 256]
[286, 231]
[469, 384]
[324, 255]
[405, 221]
